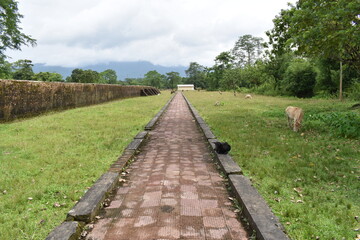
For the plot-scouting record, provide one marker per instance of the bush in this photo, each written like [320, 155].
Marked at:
[267, 88]
[354, 91]
[344, 124]
[299, 79]
[325, 95]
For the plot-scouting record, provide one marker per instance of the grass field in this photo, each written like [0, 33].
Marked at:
[48, 162]
[311, 179]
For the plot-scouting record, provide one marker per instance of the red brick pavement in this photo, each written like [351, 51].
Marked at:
[173, 191]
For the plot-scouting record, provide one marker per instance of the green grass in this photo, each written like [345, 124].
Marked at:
[52, 159]
[310, 178]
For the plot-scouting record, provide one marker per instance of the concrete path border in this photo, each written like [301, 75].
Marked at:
[90, 204]
[266, 225]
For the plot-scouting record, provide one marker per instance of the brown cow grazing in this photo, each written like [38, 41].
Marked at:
[295, 116]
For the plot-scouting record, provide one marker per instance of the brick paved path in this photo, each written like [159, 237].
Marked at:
[173, 190]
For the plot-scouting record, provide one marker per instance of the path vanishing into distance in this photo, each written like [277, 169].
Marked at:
[173, 188]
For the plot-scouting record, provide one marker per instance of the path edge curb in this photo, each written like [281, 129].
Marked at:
[266, 225]
[74, 224]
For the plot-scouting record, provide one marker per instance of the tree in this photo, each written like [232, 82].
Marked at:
[276, 66]
[11, 36]
[84, 76]
[327, 78]
[223, 62]
[48, 77]
[247, 50]
[196, 75]
[231, 79]
[108, 76]
[134, 81]
[5, 69]
[153, 78]
[279, 35]
[22, 70]
[173, 79]
[322, 28]
[300, 79]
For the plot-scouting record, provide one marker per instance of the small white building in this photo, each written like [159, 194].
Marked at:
[185, 87]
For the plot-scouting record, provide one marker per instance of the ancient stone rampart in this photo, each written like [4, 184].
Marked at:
[26, 98]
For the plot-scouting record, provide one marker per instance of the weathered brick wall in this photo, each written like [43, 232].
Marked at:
[21, 98]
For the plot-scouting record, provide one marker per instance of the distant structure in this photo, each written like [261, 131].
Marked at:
[185, 87]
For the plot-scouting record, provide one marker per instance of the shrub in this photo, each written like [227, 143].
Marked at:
[344, 124]
[299, 79]
[267, 88]
[354, 91]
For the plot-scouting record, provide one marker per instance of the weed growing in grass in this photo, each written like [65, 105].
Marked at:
[48, 162]
[311, 178]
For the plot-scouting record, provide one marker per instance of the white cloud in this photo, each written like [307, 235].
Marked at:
[166, 32]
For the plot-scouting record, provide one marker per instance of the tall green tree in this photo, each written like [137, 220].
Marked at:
[276, 66]
[325, 28]
[155, 79]
[173, 79]
[108, 76]
[22, 70]
[247, 50]
[196, 75]
[223, 62]
[84, 76]
[5, 69]
[11, 36]
[231, 79]
[134, 81]
[48, 77]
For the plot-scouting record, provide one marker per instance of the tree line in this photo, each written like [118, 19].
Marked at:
[23, 70]
[313, 49]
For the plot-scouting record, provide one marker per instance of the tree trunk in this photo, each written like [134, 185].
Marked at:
[341, 81]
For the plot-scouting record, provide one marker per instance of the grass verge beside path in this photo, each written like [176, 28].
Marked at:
[311, 179]
[47, 162]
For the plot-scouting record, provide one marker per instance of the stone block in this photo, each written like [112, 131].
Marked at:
[86, 209]
[135, 144]
[142, 135]
[257, 212]
[200, 120]
[207, 132]
[212, 143]
[66, 231]
[227, 164]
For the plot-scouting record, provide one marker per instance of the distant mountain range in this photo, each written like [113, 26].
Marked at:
[123, 69]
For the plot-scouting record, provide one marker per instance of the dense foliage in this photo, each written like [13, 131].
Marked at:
[11, 36]
[313, 49]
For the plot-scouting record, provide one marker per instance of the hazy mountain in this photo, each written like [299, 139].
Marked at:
[123, 69]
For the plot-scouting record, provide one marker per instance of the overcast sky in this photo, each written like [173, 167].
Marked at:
[166, 32]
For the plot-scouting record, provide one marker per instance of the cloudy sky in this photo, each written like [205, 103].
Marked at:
[166, 32]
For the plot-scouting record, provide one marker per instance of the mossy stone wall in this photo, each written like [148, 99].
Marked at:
[22, 98]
